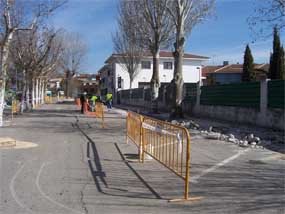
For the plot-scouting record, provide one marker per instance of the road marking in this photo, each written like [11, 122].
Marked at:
[195, 179]
[49, 198]
[13, 192]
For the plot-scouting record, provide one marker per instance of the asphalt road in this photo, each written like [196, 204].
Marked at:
[78, 167]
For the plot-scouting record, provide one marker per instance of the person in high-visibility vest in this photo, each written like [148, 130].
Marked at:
[109, 97]
[93, 100]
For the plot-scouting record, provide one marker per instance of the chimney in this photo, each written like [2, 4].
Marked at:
[225, 63]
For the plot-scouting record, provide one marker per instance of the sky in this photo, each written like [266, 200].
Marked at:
[222, 37]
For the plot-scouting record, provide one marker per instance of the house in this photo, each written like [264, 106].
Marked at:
[75, 85]
[114, 77]
[230, 73]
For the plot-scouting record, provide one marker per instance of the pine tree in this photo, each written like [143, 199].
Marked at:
[248, 66]
[282, 64]
[276, 70]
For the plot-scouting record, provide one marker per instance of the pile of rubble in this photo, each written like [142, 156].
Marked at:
[221, 133]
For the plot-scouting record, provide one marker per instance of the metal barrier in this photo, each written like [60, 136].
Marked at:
[167, 143]
[48, 99]
[15, 108]
[77, 102]
[99, 111]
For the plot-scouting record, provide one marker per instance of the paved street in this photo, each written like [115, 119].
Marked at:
[78, 167]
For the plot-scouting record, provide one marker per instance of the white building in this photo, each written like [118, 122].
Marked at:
[114, 76]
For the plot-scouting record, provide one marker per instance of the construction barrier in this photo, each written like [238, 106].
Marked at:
[15, 109]
[167, 143]
[77, 102]
[48, 100]
[99, 111]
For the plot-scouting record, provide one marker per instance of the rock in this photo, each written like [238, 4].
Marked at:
[257, 139]
[231, 136]
[174, 122]
[213, 136]
[252, 146]
[210, 129]
[253, 143]
[244, 144]
[193, 124]
[232, 140]
[250, 138]
[224, 137]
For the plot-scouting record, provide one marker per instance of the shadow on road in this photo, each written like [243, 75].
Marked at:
[99, 174]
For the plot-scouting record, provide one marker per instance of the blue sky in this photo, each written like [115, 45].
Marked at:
[222, 38]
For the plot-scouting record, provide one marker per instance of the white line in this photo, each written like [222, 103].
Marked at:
[194, 179]
[47, 197]
[13, 192]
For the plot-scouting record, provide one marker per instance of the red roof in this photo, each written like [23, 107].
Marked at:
[233, 68]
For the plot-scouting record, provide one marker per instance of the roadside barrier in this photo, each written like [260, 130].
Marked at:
[77, 102]
[166, 143]
[48, 99]
[15, 109]
[99, 111]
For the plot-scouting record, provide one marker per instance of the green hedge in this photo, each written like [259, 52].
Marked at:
[238, 94]
[276, 94]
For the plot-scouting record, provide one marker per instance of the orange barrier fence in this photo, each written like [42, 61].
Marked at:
[15, 107]
[99, 111]
[77, 102]
[167, 143]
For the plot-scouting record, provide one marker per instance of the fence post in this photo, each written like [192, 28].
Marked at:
[263, 96]
[142, 146]
[198, 96]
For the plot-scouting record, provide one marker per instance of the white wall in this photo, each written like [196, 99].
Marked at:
[190, 73]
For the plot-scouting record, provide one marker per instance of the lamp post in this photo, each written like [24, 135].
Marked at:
[199, 68]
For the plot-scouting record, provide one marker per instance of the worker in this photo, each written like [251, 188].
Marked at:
[94, 98]
[109, 97]
[83, 101]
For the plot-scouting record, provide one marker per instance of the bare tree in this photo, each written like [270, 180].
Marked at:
[72, 58]
[154, 29]
[126, 44]
[16, 16]
[267, 15]
[185, 14]
[30, 52]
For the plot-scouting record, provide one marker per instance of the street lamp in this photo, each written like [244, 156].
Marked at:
[199, 68]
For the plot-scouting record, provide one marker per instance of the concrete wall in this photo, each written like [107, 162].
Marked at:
[271, 118]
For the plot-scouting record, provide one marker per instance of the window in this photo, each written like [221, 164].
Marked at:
[167, 65]
[146, 65]
[119, 82]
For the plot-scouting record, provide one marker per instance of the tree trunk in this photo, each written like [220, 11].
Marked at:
[37, 92]
[24, 88]
[33, 93]
[28, 94]
[154, 83]
[177, 81]
[4, 71]
[42, 92]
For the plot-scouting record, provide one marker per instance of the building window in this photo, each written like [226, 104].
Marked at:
[167, 65]
[146, 65]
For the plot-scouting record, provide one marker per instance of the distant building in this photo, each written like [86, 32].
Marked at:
[230, 73]
[114, 77]
[75, 85]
